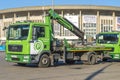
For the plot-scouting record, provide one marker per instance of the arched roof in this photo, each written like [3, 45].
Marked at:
[83, 7]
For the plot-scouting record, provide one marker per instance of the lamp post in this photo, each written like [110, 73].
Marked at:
[52, 4]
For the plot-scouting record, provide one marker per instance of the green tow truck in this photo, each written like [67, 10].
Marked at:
[112, 40]
[32, 42]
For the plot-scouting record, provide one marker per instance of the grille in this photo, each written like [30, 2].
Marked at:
[15, 48]
[16, 59]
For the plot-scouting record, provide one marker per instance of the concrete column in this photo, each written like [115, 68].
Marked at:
[14, 18]
[61, 28]
[114, 21]
[3, 17]
[2, 32]
[28, 16]
[44, 14]
[80, 20]
[98, 26]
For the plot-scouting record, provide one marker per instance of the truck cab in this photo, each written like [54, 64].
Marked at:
[112, 40]
[26, 41]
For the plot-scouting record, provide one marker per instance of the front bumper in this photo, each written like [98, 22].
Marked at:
[20, 58]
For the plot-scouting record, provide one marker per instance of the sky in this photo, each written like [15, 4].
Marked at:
[6, 4]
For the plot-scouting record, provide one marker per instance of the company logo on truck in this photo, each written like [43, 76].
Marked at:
[38, 46]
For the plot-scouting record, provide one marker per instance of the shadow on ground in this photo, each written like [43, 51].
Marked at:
[90, 77]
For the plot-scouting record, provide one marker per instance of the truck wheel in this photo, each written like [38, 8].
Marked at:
[44, 61]
[91, 59]
[70, 61]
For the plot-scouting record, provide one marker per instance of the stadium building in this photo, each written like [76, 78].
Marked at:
[90, 19]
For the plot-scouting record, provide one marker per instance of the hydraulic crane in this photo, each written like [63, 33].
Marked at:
[32, 42]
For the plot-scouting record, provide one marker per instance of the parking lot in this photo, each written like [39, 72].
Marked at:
[101, 71]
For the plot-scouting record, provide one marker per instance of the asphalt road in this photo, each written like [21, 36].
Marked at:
[101, 71]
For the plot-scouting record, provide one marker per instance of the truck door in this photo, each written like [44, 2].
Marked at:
[38, 36]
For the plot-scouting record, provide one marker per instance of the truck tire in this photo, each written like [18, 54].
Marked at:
[92, 59]
[44, 61]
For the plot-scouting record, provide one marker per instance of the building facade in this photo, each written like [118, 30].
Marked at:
[90, 19]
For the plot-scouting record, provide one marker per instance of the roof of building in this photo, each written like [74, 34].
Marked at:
[83, 7]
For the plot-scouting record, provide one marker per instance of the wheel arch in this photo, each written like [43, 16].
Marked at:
[88, 53]
[44, 52]
[40, 54]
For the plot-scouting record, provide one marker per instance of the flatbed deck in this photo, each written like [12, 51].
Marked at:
[88, 49]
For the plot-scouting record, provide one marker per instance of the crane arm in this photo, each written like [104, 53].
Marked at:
[66, 23]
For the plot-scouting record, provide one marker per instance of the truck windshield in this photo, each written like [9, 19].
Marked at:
[107, 38]
[18, 32]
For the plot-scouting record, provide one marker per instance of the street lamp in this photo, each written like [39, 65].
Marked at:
[52, 4]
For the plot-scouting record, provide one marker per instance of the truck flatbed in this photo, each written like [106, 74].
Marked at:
[88, 49]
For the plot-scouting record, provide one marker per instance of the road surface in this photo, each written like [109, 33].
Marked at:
[101, 71]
